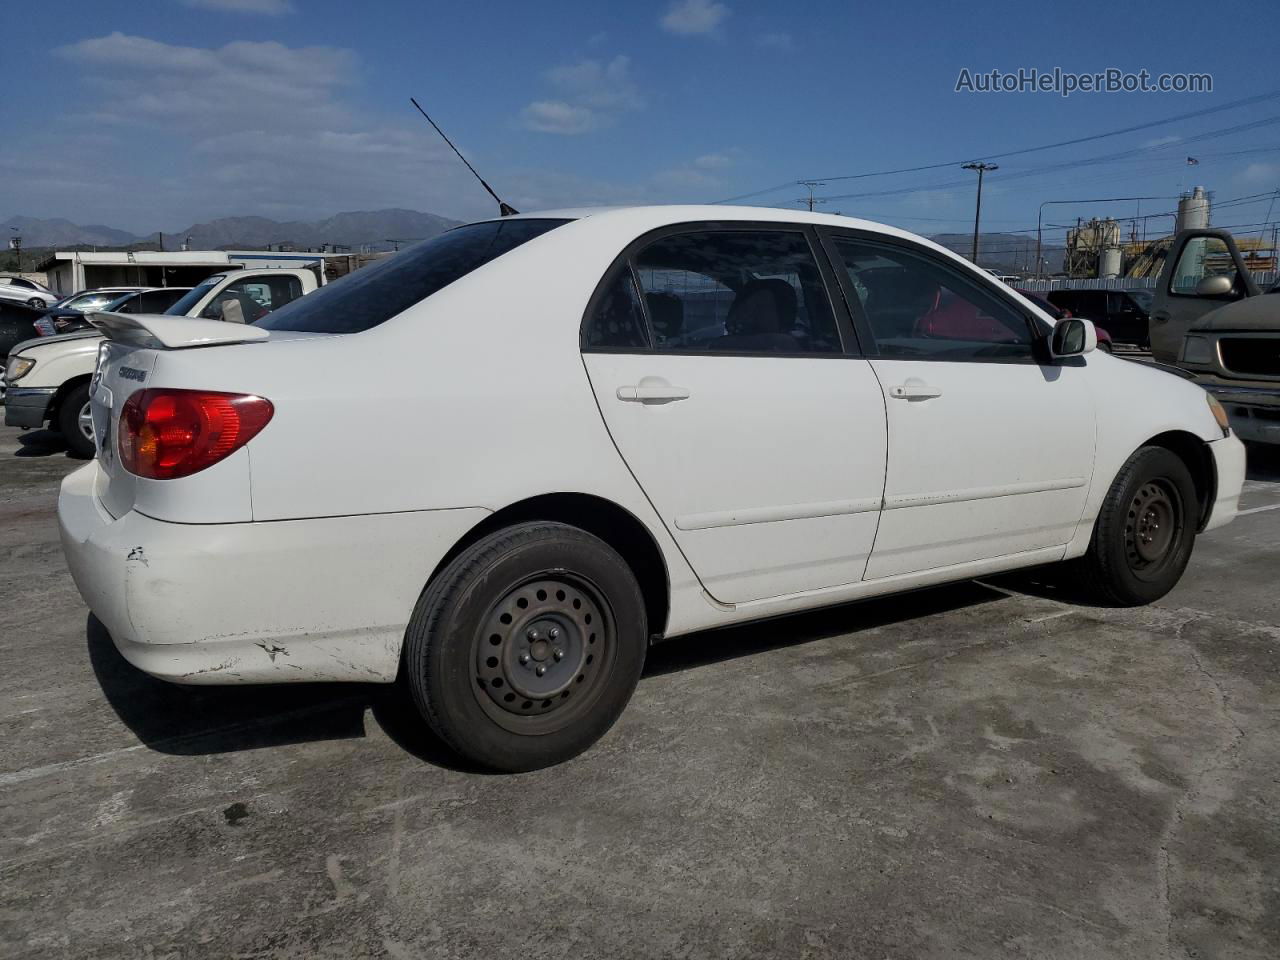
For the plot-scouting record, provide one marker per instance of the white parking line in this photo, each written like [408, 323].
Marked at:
[1272, 506]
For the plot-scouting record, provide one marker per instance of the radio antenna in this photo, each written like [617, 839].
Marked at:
[504, 209]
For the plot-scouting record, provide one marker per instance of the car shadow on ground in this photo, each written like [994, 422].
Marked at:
[730, 643]
[196, 721]
[41, 443]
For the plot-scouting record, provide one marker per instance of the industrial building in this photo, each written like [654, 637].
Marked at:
[69, 271]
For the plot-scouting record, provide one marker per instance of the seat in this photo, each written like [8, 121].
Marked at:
[896, 300]
[759, 318]
[666, 315]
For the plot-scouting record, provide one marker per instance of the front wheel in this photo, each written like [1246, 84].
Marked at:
[75, 422]
[36, 303]
[1145, 530]
[524, 650]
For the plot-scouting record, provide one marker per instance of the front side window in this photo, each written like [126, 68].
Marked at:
[1202, 257]
[920, 308]
[251, 299]
[371, 296]
[748, 291]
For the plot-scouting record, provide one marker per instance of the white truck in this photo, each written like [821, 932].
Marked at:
[48, 377]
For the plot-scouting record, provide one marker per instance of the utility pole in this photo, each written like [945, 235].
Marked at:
[812, 199]
[981, 167]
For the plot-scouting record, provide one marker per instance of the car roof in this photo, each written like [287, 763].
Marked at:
[640, 219]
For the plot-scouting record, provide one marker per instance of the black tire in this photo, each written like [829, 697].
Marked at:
[1144, 533]
[537, 596]
[69, 422]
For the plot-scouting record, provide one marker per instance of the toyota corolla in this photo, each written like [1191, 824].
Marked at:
[564, 436]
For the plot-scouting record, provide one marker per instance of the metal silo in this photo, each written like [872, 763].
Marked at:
[1193, 210]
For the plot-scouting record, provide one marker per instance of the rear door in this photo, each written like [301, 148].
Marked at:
[989, 451]
[719, 366]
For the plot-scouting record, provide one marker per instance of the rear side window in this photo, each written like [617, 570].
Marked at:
[158, 301]
[731, 291]
[617, 320]
[368, 297]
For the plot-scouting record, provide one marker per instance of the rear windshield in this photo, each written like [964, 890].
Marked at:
[375, 294]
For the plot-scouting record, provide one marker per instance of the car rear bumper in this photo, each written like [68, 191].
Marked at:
[232, 603]
[1229, 466]
[27, 406]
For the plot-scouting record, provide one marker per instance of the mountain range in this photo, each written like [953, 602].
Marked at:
[374, 229]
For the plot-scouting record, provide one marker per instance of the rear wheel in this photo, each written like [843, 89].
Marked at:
[36, 303]
[1145, 531]
[75, 422]
[527, 646]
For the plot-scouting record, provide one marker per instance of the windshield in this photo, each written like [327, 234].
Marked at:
[371, 296]
[91, 301]
[180, 308]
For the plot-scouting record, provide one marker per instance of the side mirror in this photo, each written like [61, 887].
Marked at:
[1072, 337]
[1216, 286]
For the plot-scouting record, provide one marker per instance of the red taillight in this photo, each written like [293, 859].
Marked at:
[165, 434]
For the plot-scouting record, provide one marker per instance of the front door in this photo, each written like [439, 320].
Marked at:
[990, 452]
[719, 368]
[1180, 300]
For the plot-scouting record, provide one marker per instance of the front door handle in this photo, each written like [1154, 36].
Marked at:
[1161, 317]
[914, 389]
[652, 390]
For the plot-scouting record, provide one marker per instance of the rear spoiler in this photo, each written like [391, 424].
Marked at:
[162, 332]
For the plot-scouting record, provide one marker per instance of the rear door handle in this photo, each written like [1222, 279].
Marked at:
[914, 390]
[1161, 317]
[644, 392]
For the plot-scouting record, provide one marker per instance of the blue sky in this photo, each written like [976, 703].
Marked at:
[153, 114]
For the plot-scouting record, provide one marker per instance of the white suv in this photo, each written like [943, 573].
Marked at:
[561, 437]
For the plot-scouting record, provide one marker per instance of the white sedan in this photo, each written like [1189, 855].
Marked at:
[34, 295]
[564, 436]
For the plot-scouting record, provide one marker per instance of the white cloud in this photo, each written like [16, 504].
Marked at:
[171, 134]
[715, 161]
[1268, 173]
[144, 79]
[1160, 141]
[592, 93]
[777, 41]
[689, 17]
[556, 116]
[269, 7]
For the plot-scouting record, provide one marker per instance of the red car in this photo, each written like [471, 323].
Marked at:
[1104, 338]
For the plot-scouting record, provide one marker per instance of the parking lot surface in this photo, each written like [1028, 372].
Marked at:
[978, 770]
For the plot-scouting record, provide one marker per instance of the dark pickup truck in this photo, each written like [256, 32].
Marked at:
[1210, 317]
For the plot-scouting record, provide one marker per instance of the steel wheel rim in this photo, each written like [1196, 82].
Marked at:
[1153, 526]
[84, 420]
[529, 680]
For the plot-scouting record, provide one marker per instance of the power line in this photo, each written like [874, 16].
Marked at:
[1246, 101]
